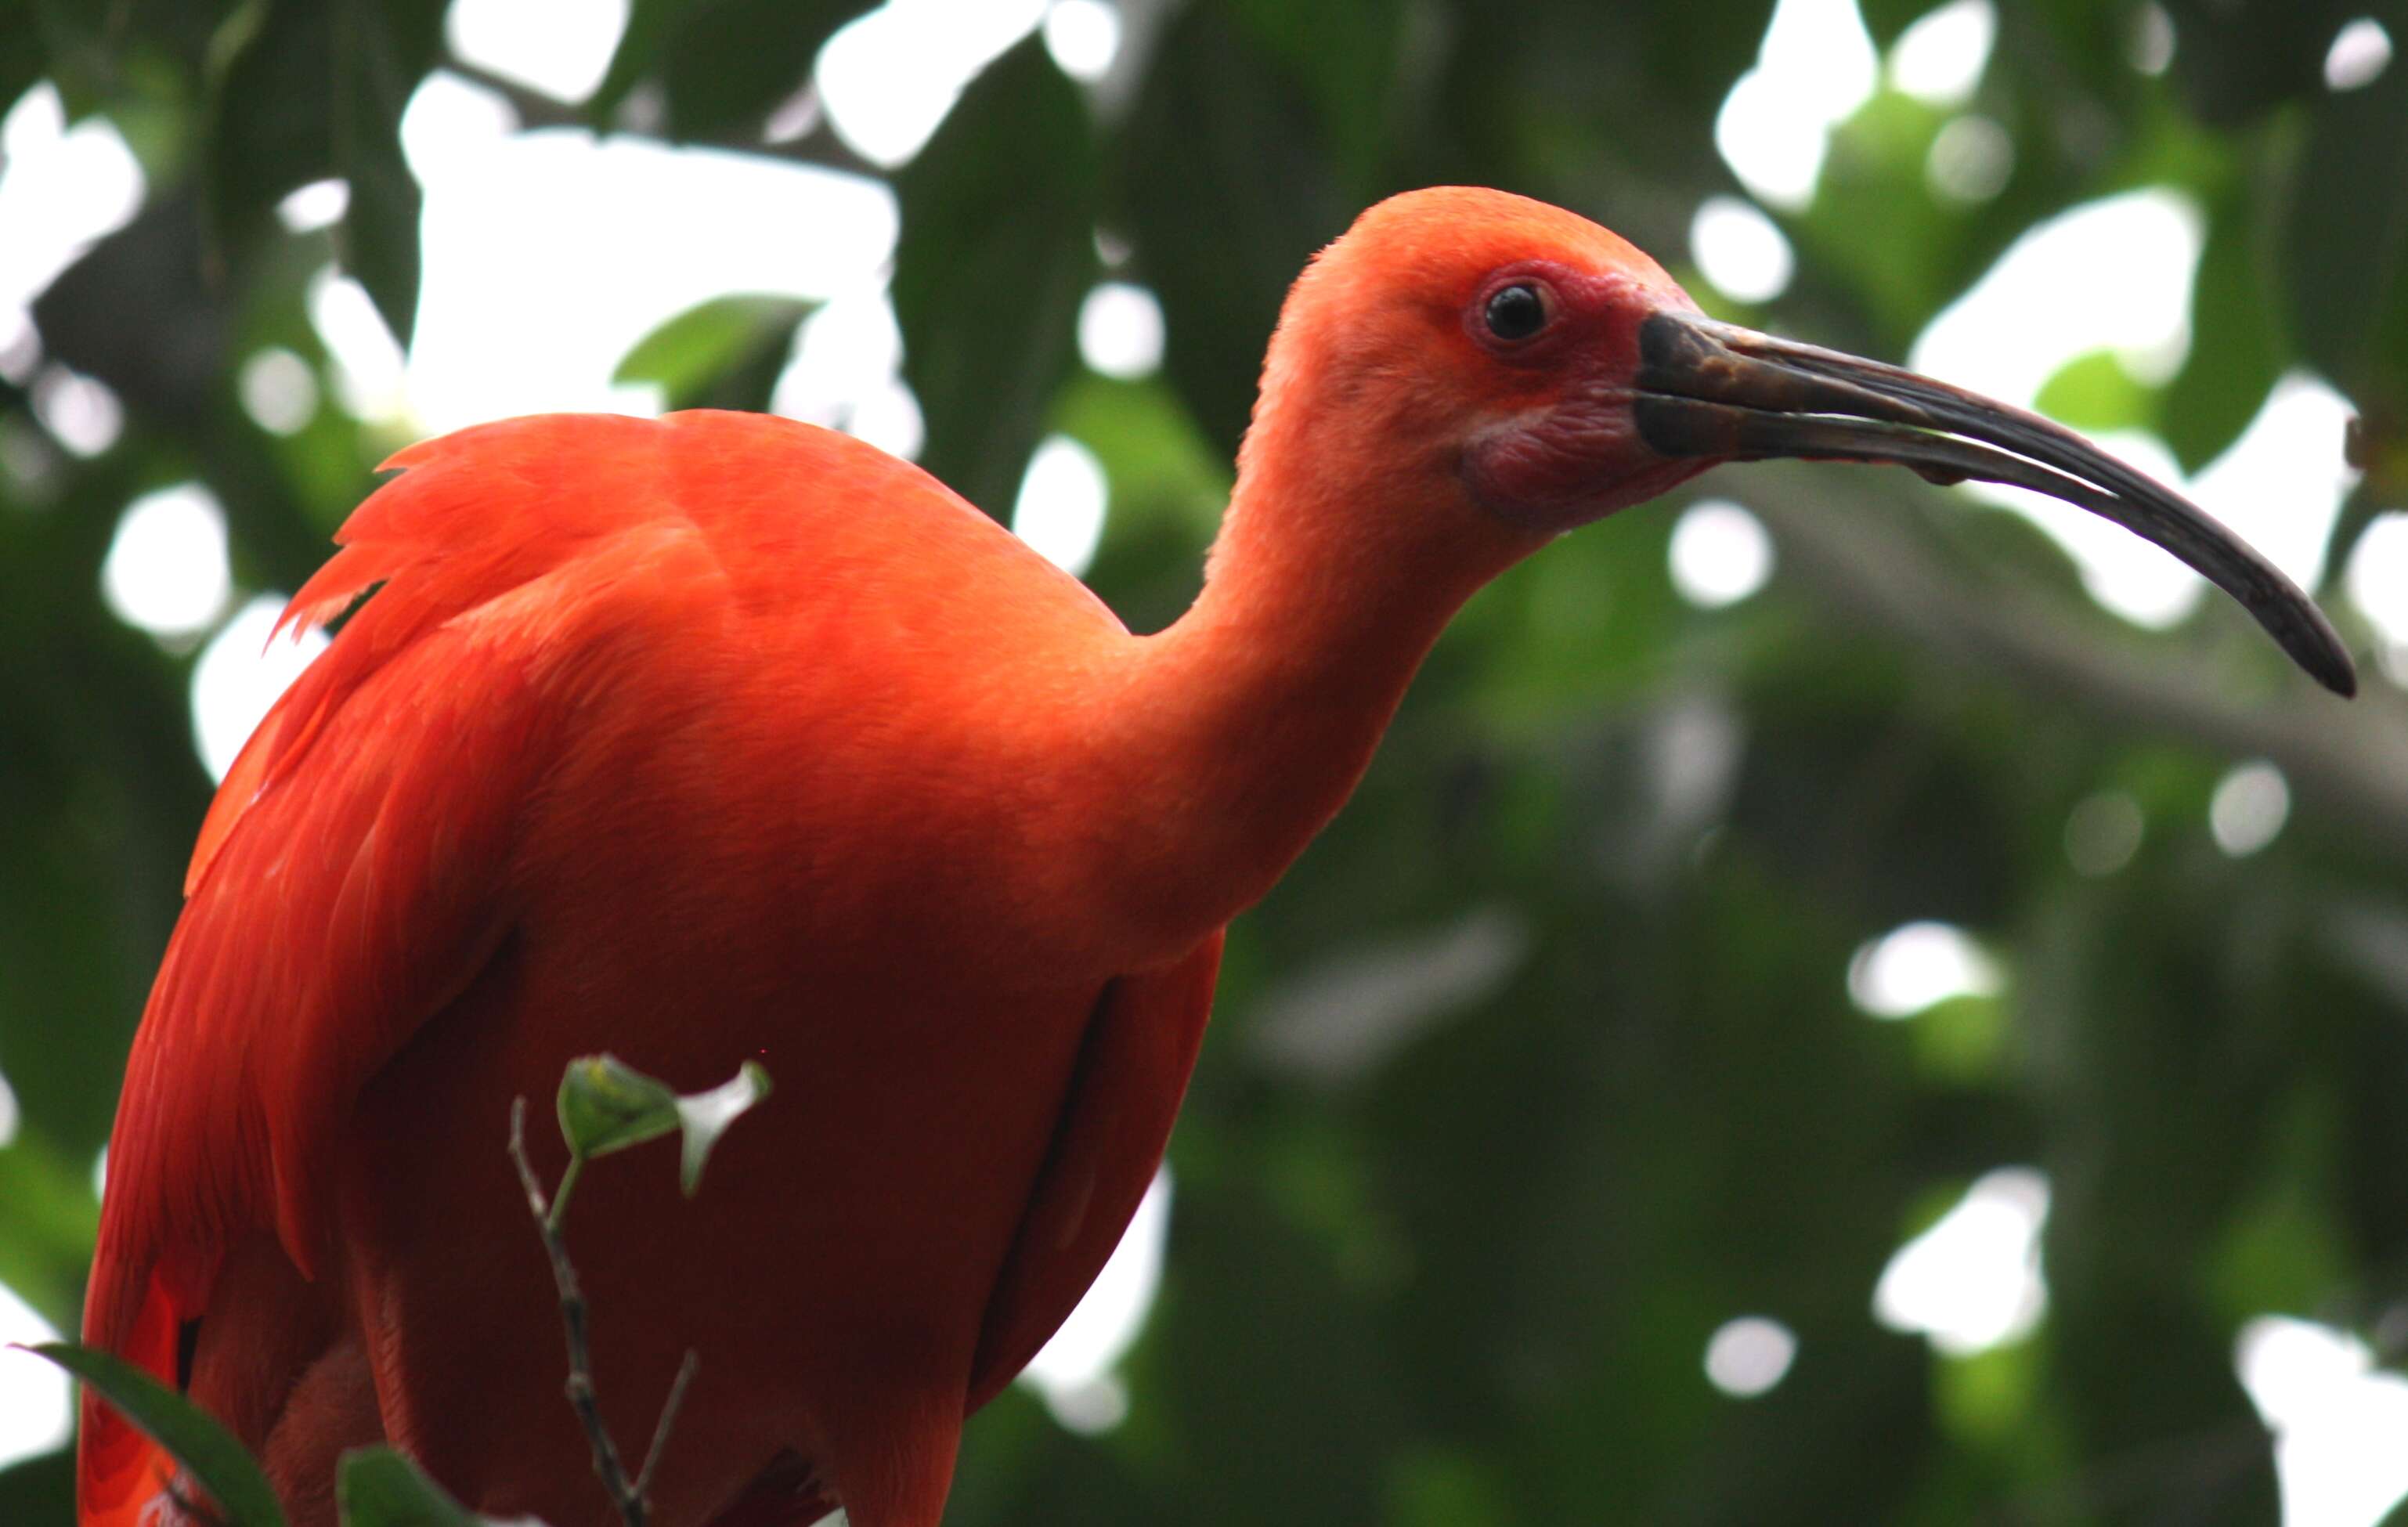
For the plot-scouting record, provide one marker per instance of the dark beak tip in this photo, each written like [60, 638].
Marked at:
[2341, 678]
[2308, 637]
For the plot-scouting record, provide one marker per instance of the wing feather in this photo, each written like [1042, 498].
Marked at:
[350, 877]
[1133, 1068]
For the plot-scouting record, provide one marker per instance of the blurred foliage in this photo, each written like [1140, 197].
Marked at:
[1458, 1263]
[227, 1477]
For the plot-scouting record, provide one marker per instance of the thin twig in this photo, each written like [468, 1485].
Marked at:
[629, 1495]
[820, 146]
[668, 1418]
[535, 108]
[2351, 760]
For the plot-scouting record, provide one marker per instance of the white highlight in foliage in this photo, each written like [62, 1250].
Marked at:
[60, 190]
[1914, 966]
[843, 350]
[1816, 68]
[845, 374]
[1074, 1370]
[2151, 48]
[1747, 1357]
[1939, 59]
[35, 1404]
[235, 681]
[1973, 1281]
[2280, 485]
[559, 47]
[2114, 274]
[890, 76]
[1083, 36]
[2377, 580]
[2142, 583]
[2361, 52]
[1062, 501]
[453, 128]
[20, 347]
[321, 204]
[1743, 252]
[2337, 1420]
[278, 390]
[367, 360]
[8, 1114]
[167, 571]
[80, 412]
[1972, 159]
[2249, 807]
[1719, 553]
[548, 255]
[1120, 331]
[887, 416]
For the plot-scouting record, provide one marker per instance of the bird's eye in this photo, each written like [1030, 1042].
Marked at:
[1517, 312]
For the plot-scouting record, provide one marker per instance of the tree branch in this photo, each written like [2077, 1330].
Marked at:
[536, 108]
[2351, 760]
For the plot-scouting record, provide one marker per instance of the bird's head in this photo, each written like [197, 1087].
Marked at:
[1548, 373]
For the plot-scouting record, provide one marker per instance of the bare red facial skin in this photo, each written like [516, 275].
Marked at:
[1564, 450]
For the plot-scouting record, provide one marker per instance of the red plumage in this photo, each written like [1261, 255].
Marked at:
[720, 736]
[605, 654]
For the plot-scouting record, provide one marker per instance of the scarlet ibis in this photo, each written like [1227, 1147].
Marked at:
[715, 736]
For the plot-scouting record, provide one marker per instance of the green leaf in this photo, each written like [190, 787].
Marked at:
[704, 1116]
[21, 52]
[997, 253]
[724, 353]
[379, 1487]
[1226, 184]
[2093, 392]
[1884, 20]
[1345, 57]
[1989, 1393]
[304, 93]
[2236, 353]
[607, 1105]
[1875, 175]
[1961, 1040]
[207, 1450]
[722, 65]
[2346, 232]
[39, 1488]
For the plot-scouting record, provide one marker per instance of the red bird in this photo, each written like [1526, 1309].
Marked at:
[720, 736]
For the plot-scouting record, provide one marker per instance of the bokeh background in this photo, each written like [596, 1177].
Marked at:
[1841, 1001]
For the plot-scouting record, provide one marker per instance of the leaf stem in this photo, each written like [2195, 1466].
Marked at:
[626, 1494]
[558, 1215]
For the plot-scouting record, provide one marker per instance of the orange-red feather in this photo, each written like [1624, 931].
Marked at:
[558, 602]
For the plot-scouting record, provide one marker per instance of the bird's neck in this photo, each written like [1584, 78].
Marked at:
[1262, 706]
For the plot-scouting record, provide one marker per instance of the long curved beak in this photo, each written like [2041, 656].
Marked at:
[1710, 389]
